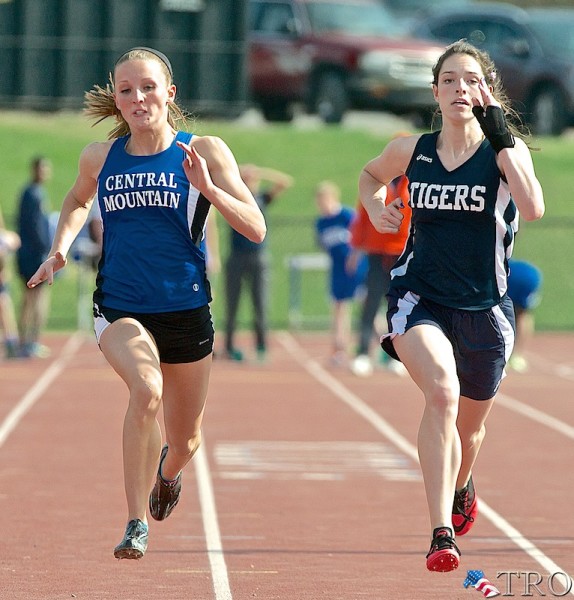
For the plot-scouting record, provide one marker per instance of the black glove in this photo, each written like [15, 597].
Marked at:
[494, 127]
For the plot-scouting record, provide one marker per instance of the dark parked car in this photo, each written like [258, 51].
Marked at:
[533, 50]
[407, 11]
[333, 55]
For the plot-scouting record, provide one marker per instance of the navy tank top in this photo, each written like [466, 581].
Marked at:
[462, 229]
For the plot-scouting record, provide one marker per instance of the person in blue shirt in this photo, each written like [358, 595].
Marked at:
[348, 270]
[524, 285]
[33, 226]
[155, 184]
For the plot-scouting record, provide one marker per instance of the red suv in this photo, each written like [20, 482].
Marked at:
[333, 55]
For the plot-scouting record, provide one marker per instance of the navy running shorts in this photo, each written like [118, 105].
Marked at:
[181, 337]
[482, 340]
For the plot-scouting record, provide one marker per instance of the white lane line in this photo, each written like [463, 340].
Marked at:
[206, 498]
[562, 370]
[536, 415]
[317, 460]
[219, 575]
[14, 417]
[393, 436]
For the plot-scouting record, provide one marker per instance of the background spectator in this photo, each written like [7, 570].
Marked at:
[249, 262]
[524, 282]
[333, 236]
[34, 231]
[9, 243]
[382, 250]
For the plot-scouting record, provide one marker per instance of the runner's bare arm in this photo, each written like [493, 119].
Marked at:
[211, 167]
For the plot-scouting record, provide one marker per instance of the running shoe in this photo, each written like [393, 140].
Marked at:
[34, 350]
[518, 363]
[165, 494]
[444, 554]
[134, 543]
[464, 508]
[362, 366]
[12, 348]
[234, 354]
[261, 353]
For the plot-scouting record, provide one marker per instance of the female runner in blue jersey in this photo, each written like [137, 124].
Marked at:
[450, 320]
[154, 185]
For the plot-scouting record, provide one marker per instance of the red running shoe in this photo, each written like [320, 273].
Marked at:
[464, 509]
[444, 554]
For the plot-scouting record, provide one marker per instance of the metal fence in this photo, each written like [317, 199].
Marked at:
[51, 51]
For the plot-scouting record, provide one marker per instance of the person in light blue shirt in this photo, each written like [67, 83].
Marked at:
[332, 227]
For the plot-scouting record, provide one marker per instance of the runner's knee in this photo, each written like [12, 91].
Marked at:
[472, 438]
[146, 394]
[186, 448]
[442, 398]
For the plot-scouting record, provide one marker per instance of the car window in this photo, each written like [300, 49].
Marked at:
[353, 18]
[498, 36]
[556, 36]
[488, 35]
[274, 18]
[450, 32]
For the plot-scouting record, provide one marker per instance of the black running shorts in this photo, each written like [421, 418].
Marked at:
[181, 337]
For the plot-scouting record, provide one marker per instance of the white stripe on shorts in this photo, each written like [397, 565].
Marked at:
[100, 323]
[405, 306]
[505, 329]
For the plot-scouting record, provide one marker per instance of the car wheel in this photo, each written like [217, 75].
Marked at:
[548, 112]
[330, 99]
[277, 110]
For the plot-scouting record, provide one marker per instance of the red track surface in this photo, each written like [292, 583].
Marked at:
[316, 489]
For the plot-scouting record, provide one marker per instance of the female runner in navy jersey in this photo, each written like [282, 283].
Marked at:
[450, 319]
[154, 185]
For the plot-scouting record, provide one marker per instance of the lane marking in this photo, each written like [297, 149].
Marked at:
[30, 398]
[562, 370]
[205, 571]
[536, 415]
[299, 354]
[214, 546]
[219, 574]
[320, 461]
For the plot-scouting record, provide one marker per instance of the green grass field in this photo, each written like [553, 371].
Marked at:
[310, 155]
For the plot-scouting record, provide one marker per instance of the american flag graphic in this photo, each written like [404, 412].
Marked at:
[477, 580]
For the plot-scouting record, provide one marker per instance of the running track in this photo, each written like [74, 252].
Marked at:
[307, 485]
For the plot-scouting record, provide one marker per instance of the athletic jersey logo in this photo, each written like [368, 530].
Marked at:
[132, 190]
[448, 197]
[424, 158]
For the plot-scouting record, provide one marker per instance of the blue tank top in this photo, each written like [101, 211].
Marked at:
[334, 233]
[462, 229]
[153, 257]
